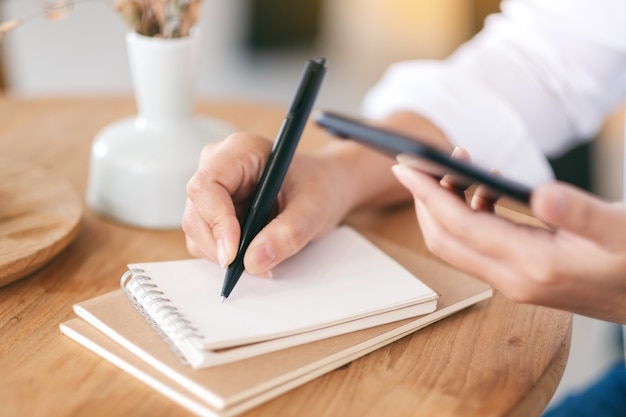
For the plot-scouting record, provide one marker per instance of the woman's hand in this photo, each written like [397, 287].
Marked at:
[579, 265]
[315, 197]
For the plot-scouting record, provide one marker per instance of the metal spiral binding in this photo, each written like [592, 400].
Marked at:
[157, 309]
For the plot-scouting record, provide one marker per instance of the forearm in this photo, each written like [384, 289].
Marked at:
[367, 173]
[525, 87]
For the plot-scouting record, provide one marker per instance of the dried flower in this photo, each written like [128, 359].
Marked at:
[51, 10]
[159, 18]
[9, 25]
[165, 18]
[57, 10]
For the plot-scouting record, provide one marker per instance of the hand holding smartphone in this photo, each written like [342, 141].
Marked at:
[420, 155]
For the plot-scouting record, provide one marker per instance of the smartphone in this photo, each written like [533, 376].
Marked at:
[421, 156]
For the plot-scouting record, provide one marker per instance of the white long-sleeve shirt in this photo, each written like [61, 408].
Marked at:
[538, 79]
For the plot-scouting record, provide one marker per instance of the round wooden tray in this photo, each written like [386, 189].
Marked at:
[40, 215]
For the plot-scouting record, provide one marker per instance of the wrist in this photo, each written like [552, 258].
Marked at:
[367, 174]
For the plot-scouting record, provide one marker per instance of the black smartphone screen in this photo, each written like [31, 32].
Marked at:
[420, 155]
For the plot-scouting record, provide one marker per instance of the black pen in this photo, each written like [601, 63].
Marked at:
[272, 177]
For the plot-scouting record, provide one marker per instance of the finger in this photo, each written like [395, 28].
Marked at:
[527, 264]
[443, 244]
[298, 221]
[195, 228]
[484, 199]
[198, 235]
[469, 241]
[549, 279]
[475, 229]
[210, 221]
[452, 182]
[226, 177]
[496, 273]
[235, 164]
[285, 235]
[422, 185]
[277, 241]
[568, 208]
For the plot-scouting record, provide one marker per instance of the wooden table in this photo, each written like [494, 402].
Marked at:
[494, 359]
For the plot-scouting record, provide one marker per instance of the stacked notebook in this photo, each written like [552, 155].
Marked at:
[338, 299]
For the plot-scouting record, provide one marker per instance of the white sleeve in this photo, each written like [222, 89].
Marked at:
[540, 77]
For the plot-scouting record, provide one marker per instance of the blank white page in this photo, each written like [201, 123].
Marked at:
[338, 278]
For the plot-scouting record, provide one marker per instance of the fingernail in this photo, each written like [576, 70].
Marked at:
[266, 274]
[558, 202]
[222, 255]
[261, 257]
[403, 174]
[549, 202]
[456, 152]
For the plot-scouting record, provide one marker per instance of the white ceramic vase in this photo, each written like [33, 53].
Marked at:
[140, 165]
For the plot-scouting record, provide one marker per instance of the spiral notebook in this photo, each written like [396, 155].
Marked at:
[338, 284]
[233, 388]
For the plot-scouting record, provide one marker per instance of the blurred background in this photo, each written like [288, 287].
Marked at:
[254, 50]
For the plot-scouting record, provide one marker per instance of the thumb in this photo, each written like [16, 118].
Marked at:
[566, 207]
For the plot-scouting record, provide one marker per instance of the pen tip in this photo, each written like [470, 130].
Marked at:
[223, 299]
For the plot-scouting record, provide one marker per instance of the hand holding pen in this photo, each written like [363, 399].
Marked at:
[321, 188]
[276, 168]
